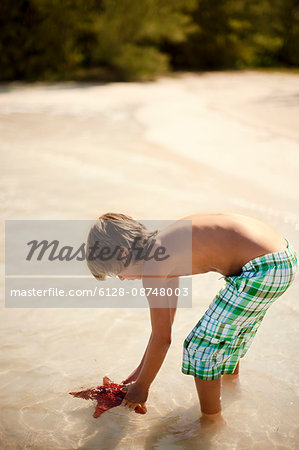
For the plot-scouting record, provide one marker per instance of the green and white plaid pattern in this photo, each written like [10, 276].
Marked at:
[225, 332]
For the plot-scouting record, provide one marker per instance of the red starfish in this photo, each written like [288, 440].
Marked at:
[107, 396]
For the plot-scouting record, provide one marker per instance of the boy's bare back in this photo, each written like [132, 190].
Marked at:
[221, 243]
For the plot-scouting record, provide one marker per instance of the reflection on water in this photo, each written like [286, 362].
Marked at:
[76, 153]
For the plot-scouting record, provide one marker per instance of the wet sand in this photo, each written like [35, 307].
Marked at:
[192, 143]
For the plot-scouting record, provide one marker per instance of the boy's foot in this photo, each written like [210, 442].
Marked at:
[206, 423]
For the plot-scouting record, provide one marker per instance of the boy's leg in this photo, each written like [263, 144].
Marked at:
[209, 393]
[236, 371]
[234, 375]
[232, 379]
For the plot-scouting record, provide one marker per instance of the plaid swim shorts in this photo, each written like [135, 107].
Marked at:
[225, 332]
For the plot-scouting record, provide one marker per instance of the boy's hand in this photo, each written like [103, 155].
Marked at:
[133, 377]
[135, 396]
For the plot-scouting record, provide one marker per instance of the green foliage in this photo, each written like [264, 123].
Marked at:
[239, 34]
[138, 40]
[55, 39]
[129, 32]
[139, 63]
[37, 39]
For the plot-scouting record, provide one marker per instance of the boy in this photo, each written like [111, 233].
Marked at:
[258, 265]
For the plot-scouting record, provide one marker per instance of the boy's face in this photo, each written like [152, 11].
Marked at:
[132, 272]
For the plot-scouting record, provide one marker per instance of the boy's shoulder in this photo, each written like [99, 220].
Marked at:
[171, 255]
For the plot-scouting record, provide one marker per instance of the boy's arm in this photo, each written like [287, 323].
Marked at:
[161, 321]
[134, 375]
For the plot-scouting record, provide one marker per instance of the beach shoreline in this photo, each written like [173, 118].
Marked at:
[215, 141]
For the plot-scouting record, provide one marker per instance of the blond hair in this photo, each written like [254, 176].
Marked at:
[115, 231]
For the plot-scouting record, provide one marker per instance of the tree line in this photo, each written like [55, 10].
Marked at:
[140, 39]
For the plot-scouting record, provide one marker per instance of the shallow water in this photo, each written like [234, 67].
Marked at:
[216, 142]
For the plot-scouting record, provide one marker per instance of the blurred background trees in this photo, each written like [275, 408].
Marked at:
[138, 40]
[240, 34]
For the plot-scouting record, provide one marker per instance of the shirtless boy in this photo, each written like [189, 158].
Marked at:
[258, 265]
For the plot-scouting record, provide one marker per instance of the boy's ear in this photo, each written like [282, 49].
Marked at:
[124, 251]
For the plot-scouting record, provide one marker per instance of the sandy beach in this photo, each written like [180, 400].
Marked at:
[222, 141]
